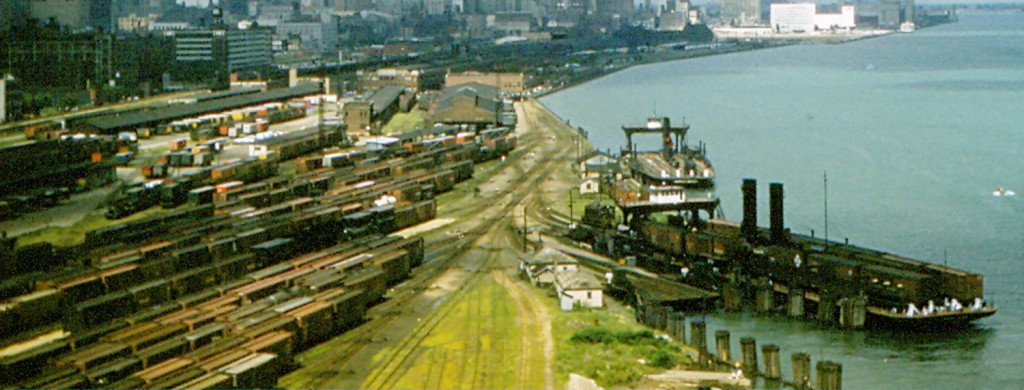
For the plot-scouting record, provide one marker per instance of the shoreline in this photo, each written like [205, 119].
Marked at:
[762, 43]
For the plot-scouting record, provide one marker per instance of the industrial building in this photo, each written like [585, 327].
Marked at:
[371, 112]
[406, 77]
[72, 60]
[114, 123]
[467, 104]
[510, 84]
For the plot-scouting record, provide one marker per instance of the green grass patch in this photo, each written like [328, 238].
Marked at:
[405, 121]
[476, 345]
[609, 347]
[75, 234]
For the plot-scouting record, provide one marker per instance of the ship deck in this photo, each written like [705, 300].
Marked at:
[680, 169]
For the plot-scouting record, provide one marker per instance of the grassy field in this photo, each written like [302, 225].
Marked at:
[616, 361]
[475, 346]
[405, 121]
[75, 234]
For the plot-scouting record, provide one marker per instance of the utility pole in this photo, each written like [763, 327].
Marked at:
[323, 100]
[524, 228]
[826, 208]
[570, 207]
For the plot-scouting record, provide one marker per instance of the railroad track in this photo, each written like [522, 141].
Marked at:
[395, 365]
[439, 256]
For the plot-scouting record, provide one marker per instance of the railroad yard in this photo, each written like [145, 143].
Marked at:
[266, 284]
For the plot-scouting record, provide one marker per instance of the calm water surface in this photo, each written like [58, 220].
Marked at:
[915, 132]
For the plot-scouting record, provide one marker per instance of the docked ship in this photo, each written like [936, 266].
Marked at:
[831, 281]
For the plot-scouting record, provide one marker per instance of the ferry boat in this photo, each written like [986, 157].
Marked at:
[855, 286]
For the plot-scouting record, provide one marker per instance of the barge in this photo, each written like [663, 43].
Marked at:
[833, 282]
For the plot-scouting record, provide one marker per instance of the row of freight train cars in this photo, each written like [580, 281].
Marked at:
[210, 339]
[246, 120]
[890, 281]
[170, 193]
[213, 294]
[40, 174]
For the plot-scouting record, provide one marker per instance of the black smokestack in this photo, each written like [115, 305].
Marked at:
[775, 207]
[748, 227]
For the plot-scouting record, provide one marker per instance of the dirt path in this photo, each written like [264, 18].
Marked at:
[535, 320]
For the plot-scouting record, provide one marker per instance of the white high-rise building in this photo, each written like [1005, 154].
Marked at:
[792, 17]
[803, 18]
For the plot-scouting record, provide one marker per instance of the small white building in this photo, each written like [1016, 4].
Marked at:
[543, 268]
[578, 288]
[590, 186]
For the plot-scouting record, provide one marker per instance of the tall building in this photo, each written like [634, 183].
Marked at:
[908, 11]
[75, 14]
[214, 54]
[58, 60]
[741, 12]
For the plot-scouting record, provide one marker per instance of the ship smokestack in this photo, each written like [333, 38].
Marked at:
[775, 208]
[748, 227]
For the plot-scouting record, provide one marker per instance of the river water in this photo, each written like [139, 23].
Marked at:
[915, 132]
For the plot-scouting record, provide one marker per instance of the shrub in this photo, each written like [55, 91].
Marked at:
[662, 359]
[595, 335]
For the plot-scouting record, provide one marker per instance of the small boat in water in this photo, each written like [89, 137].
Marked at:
[1003, 192]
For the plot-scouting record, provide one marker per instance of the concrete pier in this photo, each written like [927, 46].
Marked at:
[772, 365]
[801, 370]
[680, 330]
[722, 345]
[670, 322]
[796, 302]
[826, 307]
[748, 347]
[698, 338]
[658, 319]
[853, 312]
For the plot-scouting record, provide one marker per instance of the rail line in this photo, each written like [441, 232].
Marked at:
[439, 255]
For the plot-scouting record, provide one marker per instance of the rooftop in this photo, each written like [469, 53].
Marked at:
[129, 121]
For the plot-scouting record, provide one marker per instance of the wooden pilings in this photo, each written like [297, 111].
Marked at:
[772, 367]
[801, 370]
[722, 345]
[748, 349]
[795, 307]
[829, 375]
